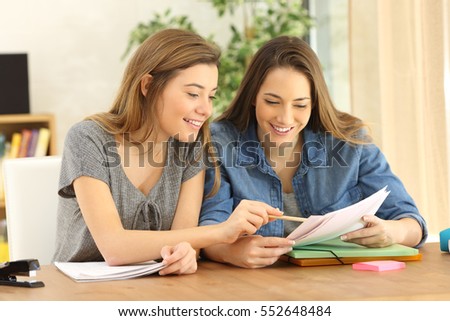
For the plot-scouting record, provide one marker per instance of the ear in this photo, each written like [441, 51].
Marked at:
[145, 84]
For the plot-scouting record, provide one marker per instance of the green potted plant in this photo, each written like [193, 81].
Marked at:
[262, 20]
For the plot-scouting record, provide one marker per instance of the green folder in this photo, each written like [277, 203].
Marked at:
[337, 248]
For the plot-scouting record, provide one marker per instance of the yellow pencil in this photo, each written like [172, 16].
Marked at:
[289, 218]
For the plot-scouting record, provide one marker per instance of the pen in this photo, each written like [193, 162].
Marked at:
[289, 218]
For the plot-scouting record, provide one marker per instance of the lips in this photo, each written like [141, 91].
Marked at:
[196, 123]
[281, 130]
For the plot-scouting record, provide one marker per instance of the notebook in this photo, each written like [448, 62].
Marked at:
[335, 251]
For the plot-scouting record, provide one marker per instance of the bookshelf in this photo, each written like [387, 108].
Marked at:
[12, 123]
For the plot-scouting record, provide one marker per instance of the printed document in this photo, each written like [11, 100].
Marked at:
[319, 228]
[100, 271]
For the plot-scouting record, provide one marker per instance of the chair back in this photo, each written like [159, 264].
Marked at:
[31, 199]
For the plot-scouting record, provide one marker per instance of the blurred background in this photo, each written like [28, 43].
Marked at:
[387, 62]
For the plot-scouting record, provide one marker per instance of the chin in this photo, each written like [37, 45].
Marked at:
[186, 137]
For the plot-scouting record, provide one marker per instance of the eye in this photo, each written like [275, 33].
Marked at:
[193, 95]
[212, 97]
[271, 102]
[300, 106]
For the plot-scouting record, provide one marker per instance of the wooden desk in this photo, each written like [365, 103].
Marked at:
[424, 280]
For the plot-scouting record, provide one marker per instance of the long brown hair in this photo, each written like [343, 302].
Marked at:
[162, 55]
[293, 52]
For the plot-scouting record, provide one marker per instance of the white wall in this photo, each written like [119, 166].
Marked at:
[75, 46]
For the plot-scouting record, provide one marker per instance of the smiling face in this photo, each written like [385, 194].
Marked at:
[186, 103]
[283, 107]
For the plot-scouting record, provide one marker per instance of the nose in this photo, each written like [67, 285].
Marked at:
[204, 107]
[286, 115]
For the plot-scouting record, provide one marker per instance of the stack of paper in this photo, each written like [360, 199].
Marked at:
[100, 271]
[319, 228]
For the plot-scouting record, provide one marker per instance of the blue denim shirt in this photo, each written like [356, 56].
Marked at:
[332, 175]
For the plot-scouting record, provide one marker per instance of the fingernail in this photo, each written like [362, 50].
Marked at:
[293, 242]
[343, 237]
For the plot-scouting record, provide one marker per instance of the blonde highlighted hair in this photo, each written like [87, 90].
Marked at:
[162, 55]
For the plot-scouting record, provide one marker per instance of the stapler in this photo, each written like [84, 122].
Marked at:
[9, 271]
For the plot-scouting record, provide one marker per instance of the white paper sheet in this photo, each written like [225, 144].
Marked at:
[319, 228]
[100, 271]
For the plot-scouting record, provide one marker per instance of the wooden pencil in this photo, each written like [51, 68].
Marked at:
[289, 218]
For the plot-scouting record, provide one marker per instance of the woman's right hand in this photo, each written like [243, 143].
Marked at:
[247, 218]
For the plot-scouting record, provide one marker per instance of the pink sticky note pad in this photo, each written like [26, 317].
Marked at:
[379, 266]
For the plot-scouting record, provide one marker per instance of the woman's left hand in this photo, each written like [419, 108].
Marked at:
[376, 233]
[179, 259]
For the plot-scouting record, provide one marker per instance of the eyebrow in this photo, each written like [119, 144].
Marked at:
[296, 99]
[198, 86]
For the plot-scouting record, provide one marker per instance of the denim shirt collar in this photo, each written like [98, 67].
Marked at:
[251, 152]
[248, 144]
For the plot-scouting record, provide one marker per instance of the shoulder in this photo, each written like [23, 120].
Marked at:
[223, 131]
[87, 129]
[328, 140]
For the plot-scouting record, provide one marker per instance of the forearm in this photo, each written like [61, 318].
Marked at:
[251, 251]
[217, 252]
[406, 231]
[131, 246]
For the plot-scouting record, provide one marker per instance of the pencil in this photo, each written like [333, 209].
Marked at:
[289, 218]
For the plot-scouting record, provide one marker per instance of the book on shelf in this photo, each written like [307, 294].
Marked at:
[42, 142]
[26, 136]
[2, 145]
[3, 153]
[31, 150]
[101, 271]
[15, 145]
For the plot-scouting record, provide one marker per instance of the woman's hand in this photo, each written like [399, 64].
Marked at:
[179, 259]
[246, 219]
[382, 233]
[256, 251]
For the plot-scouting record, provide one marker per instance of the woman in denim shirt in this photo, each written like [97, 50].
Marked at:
[283, 142]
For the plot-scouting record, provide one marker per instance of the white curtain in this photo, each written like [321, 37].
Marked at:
[397, 62]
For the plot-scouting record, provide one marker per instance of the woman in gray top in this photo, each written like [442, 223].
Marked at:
[132, 179]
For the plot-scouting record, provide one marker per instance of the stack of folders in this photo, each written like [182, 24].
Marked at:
[335, 252]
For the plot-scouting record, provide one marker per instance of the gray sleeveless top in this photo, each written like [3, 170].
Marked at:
[290, 208]
[91, 151]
